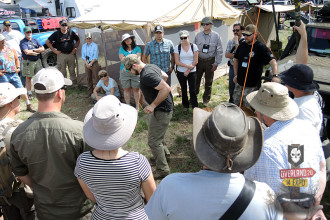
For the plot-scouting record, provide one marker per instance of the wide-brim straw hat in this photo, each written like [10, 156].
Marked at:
[109, 124]
[273, 100]
[225, 140]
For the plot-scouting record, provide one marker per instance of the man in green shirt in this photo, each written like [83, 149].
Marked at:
[44, 151]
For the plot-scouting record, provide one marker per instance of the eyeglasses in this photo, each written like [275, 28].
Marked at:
[28, 32]
[64, 25]
[183, 38]
[64, 87]
[101, 76]
[88, 38]
[204, 24]
[236, 30]
[248, 35]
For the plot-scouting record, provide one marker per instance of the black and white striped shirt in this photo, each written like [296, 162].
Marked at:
[115, 184]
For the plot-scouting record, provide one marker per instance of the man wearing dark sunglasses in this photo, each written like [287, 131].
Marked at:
[260, 56]
[31, 52]
[64, 43]
[209, 57]
[230, 52]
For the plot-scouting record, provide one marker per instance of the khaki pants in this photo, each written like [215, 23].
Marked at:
[69, 60]
[92, 77]
[158, 123]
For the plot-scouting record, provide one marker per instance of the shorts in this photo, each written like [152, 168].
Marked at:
[30, 68]
[12, 78]
[129, 80]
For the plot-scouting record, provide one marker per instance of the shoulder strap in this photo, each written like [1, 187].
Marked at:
[179, 48]
[9, 126]
[192, 47]
[242, 201]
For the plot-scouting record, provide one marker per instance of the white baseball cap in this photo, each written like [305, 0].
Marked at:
[52, 79]
[9, 93]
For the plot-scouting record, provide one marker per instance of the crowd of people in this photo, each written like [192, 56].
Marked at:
[66, 169]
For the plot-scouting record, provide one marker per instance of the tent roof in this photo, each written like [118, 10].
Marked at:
[284, 8]
[193, 11]
[117, 16]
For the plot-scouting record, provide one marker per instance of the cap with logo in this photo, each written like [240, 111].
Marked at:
[27, 29]
[52, 80]
[159, 28]
[7, 23]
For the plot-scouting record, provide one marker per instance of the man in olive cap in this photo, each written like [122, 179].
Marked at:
[209, 57]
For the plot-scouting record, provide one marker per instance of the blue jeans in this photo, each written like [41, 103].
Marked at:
[231, 84]
[12, 78]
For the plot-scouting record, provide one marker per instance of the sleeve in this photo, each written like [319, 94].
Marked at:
[147, 49]
[176, 49]
[121, 50]
[154, 207]
[137, 49]
[195, 47]
[18, 167]
[83, 53]
[151, 79]
[77, 168]
[171, 47]
[144, 168]
[99, 84]
[74, 36]
[52, 37]
[229, 47]
[218, 57]
[23, 46]
[38, 43]
[113, 83]
[266, 54]
[96, 52]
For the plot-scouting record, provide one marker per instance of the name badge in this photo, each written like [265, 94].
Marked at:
[244, 64]
[205, 48]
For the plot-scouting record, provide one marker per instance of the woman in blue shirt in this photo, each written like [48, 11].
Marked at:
[108, 84]
[129, 81]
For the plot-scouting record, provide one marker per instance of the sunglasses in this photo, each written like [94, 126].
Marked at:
[203, 24]
[236, 30]
[248, 35]
[64, 87]
[183, 38]
[64, 25]
[103, 76]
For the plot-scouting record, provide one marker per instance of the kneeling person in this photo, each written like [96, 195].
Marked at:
[108, 85]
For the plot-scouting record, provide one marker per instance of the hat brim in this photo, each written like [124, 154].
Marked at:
[288, 80]
[211, 159]
[247, 32]
[17, 92]
[131, 36]
[280, 114]
[67, 82]
[110, 141]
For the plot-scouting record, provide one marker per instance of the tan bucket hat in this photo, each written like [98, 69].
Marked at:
[273, 100]
[225, 140]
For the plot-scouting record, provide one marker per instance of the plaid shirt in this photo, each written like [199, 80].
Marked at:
[274, 156]
[160, 53]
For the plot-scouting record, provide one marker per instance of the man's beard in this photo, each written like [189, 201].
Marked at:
[136, 73]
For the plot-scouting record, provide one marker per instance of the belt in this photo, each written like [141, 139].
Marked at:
[207, 59]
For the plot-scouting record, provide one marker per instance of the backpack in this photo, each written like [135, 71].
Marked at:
[179, 49]
[7, 178]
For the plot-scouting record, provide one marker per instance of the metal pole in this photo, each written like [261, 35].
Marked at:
[104, 49]
[297, 16]
[276, 28]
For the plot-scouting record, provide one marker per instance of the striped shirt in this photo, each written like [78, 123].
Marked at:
[115, 184]
[160, 53]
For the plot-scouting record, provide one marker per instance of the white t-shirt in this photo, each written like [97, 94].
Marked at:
[186, 57]
[310, 110]
[13, 39]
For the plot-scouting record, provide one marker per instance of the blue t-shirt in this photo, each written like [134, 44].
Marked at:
[32, 44]
[107, 89]
[125, 53]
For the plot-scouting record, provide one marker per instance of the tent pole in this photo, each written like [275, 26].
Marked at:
[104, 48]
[276, 27]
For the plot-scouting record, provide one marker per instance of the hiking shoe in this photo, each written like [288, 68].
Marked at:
[205, 103]
[30, 109]
[30, 96]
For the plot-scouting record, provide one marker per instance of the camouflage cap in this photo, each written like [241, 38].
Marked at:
[250, 29]
[130, 60]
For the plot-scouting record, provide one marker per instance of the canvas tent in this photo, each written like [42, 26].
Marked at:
[194, 10]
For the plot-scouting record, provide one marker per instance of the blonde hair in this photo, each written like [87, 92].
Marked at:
[101, 72]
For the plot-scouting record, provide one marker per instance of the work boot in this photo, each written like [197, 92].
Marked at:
[30, 109]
